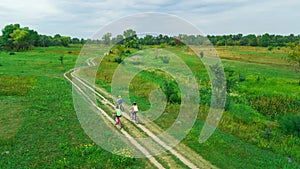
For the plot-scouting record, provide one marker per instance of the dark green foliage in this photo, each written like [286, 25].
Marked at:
[242, 78]
[6, 40]
[127, 51]
[290, 123]
[253, 40]
[118, 59]
[65, 41]
[171, 90]
[231, 80]
[228, 103]
[61, 59]
[14, 37]
[258, 78]
[270, 48]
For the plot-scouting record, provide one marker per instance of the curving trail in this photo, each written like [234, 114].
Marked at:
[186, 155]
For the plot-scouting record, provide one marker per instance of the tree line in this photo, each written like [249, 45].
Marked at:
[15, 37]
[129, 38]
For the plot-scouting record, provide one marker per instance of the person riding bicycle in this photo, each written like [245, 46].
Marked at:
[118, 115]
[120, 101]
[134, 110]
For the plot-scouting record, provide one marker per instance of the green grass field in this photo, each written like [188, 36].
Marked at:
[39, 127]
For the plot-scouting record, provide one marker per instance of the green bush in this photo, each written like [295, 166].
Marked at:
[242, 78]
[127, 51]
[165, 60]
[244, 113]
[270, 48]
[118, 60]
[172, 92]
[290, 123]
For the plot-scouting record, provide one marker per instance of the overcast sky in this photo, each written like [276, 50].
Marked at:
[82, 18]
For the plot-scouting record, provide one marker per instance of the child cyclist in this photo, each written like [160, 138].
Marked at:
[120, 101]
[134, 110]
[118, 115]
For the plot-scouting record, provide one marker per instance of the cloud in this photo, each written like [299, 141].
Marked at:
[82, 18]
[30, 9]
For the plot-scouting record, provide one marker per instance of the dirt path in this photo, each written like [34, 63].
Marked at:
[130, 138]
[183, 153]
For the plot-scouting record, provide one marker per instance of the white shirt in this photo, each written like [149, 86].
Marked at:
[135, 108]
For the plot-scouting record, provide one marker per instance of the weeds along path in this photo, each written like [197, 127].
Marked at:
[179, 156]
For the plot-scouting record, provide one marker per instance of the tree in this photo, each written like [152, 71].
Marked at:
[264, 40]
[75, 41]
[44, 41]
[106, 38]
[20, 39]
[7, 41]
[82, 41]
[56, 40]
[129, 33]
[131, 40]
[65, 41]
[148, 40]
[171, 90]
[33, 36]
[118, 39]
[294, 58]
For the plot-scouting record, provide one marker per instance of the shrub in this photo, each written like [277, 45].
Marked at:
[172, 92]
[244, 113]
[258, 78]
[201, 54]
[163, 45]
[12, 53]
[290, 123]
[270, 48]
[242, 78]
[127, 51]
[118, 60]
[165, 60]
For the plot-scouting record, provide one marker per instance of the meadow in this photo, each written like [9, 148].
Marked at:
[39, 127]
[259, 128]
